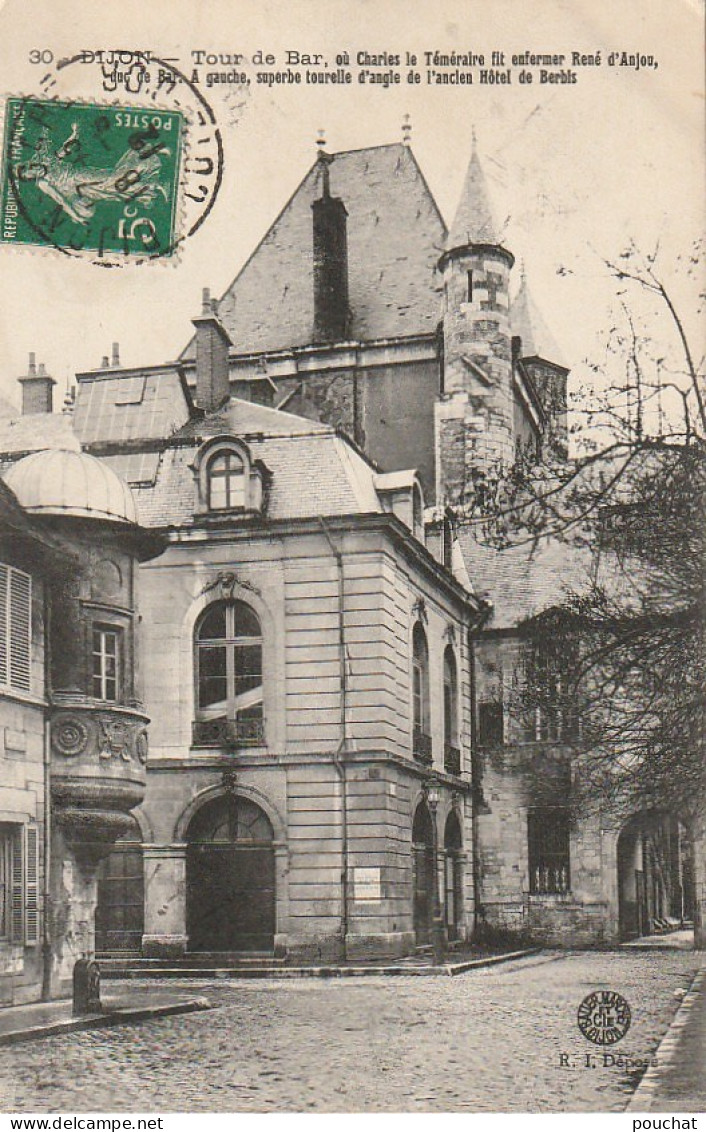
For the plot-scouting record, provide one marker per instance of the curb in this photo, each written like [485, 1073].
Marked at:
[450, 969]
[116, 1016]
[666, 1051]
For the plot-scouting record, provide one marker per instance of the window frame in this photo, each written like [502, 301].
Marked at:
[228, 455]
[421, 702]
[15, 653]
[544, 824]
[227, 709]
[542, 722]
[105, 628]
[19, 894]
[6, 854]
[450, 675]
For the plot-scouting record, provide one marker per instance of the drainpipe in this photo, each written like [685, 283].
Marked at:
[46, 886]
[337, 761]
[483, 616]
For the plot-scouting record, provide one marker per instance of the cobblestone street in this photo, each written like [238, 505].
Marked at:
[489, 1040]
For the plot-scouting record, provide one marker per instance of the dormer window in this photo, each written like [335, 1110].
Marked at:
[226, 481]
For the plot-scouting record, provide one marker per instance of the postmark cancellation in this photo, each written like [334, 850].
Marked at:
[87, 177]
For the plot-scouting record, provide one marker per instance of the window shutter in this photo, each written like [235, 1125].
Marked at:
[4, 624]
[32, 885]
[17, 882]
[20, 629]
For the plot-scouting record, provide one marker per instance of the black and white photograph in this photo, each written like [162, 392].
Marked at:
[352, 544]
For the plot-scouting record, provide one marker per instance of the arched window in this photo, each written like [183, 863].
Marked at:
[229, 674]
[420, 696]
[226, 481]
[452, 754]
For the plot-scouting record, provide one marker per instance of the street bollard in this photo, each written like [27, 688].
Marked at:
[87, 987]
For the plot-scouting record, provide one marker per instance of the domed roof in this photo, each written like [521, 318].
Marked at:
[61, 482]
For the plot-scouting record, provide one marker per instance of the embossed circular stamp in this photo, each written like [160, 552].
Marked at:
[604, 1017]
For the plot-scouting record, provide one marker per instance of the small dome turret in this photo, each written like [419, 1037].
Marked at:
[62, 482]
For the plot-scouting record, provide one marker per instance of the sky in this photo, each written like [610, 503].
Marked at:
[574, 170]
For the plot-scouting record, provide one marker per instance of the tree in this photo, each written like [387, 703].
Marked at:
[626, 686]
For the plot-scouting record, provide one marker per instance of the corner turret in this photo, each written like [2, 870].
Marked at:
[475, 428]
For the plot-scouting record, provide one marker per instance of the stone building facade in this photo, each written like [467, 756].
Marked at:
[74, 733]
[326, 651]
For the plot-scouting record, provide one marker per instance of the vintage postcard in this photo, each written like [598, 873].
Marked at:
[352, 480]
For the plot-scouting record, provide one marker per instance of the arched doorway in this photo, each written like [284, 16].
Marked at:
[655, 878]
[230, 877]
[423, 865]
[120, 908]
[453, 875]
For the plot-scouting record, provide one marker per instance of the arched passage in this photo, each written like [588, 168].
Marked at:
[120, 908]
[230, 877]
[453, 875]
[655, 874]
[423, 872]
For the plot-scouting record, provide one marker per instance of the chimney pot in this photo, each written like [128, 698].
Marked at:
[212, 344]
[116, 354]
[37, 389]
[105, 362]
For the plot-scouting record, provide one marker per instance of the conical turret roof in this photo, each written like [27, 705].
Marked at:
[474, 222]
[528, 324]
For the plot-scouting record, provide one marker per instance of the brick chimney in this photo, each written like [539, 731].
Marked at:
[212, 343]
[330, 261]
[37, 389]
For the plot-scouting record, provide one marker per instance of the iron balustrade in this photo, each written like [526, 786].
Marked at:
[421, 746]
[228, 732]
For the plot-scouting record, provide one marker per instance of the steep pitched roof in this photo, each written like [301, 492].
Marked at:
[246, 418]
[522, 581]
[528, 323]
[129, 405]
[395, 236]
[35, 432]
[315, 472]
[474, 222]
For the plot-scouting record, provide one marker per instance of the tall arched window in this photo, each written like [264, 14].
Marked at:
[229, 674]
[421, 737]
[226, 481]
[452, 754]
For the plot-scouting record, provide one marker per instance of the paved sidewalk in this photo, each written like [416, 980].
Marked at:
[682, 939]
[677, 1083]
[457, 963]
[41, 1019]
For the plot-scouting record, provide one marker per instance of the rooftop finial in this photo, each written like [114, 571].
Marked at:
[474, 137]
[406, 130]
[324, 161]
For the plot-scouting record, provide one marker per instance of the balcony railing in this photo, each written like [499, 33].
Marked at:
[421, 746]
[228, 733]
[452, 759]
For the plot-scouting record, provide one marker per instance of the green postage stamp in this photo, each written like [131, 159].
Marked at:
[86, 177]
